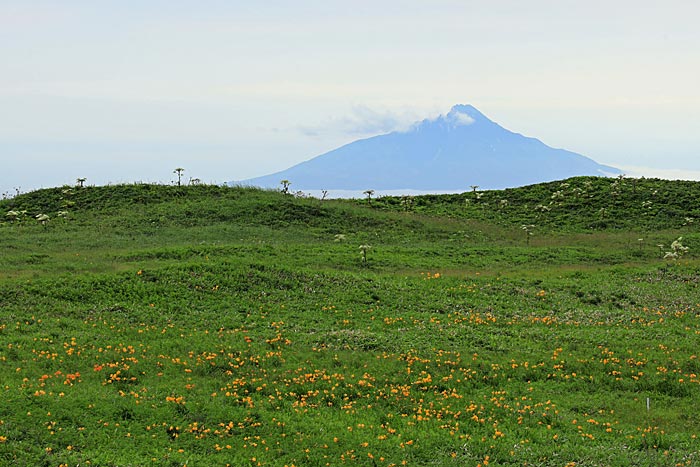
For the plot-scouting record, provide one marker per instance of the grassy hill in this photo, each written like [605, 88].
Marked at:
[206, 325]
[574, 205]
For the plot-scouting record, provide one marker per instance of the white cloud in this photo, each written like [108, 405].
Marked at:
[362, 121]
[461, 118]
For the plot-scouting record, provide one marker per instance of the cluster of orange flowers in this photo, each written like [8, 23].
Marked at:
[465, 397]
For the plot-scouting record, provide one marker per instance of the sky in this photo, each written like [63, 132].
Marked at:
[126, 91]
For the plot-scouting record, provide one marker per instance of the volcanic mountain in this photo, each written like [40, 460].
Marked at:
[451, 152]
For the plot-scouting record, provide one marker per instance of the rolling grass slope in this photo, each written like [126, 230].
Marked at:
[577, 204]
[204, 325]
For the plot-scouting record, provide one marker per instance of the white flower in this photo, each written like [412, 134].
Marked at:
[677, 249]
[363, 252]
[678, 246]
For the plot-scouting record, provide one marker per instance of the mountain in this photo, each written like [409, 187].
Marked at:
[451, 152]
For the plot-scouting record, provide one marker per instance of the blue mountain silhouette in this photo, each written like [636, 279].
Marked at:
[450, 152]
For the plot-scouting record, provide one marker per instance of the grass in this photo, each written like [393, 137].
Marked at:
[204, 325]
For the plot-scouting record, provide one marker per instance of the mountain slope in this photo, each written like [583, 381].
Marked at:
[451, 152]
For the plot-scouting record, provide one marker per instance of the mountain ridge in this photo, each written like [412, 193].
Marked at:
[450, 152]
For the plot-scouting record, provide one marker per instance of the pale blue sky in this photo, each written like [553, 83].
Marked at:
[121, 91]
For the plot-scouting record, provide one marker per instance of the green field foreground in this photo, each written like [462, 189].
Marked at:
[212, 326]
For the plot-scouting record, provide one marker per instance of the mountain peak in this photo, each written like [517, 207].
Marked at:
[450, 152]
[460, 115]
[465, 113]
[466, 109]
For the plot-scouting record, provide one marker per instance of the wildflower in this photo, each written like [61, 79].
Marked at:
[527, 228]
[363, 252]
[42, 218]
[677, 249]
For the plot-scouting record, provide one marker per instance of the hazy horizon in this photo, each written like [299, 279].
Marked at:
[128, 91]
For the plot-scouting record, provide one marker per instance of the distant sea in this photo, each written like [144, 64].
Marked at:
[349, 194]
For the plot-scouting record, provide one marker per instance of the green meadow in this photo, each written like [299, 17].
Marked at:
[550, 325]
